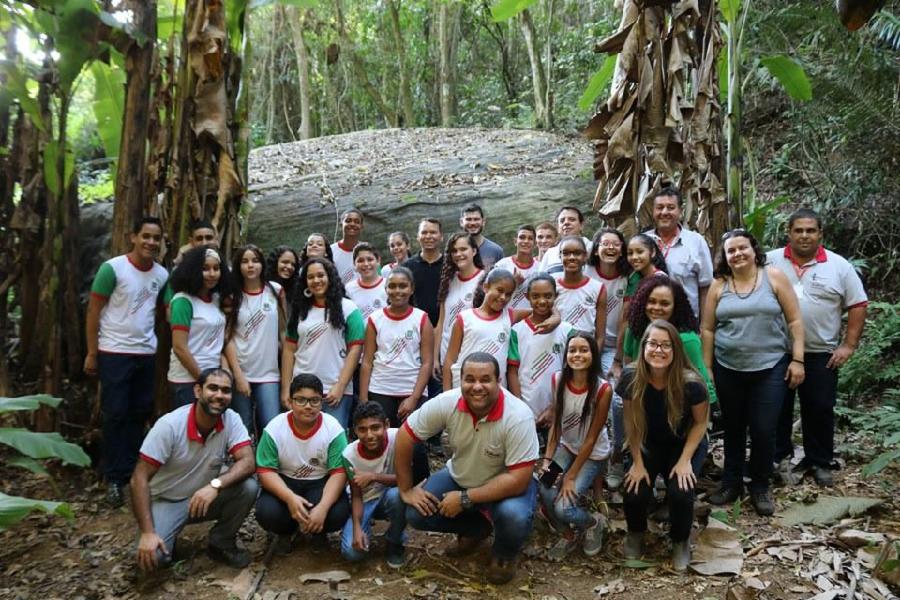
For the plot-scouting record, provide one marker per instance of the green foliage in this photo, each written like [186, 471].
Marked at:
[759, 213]
[15, 508]
[109, 104]
[731, 9]
[875, 366]
[101, 188]
[507, 9]
[791, 76]
[598, 83]
[877, 432]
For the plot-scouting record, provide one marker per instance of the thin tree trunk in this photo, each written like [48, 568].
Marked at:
[132, 160]
[298, 21]
[406, 101]
[446, 31]
[270, 70]
[548, 64]
[538, 83]
[9, 269]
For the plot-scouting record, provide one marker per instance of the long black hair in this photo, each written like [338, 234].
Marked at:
[623, 267]
[328, 253]
[656, 256]
[188, 277]
[449, 269]
[287, 285]
[682, 314]
[593, 375]
[301, 303]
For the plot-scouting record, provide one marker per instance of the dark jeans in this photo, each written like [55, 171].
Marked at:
[273, 515]
[181, 394]
[126, 403]
[818, 395]
[750, 400]
[390, 404]
[660, 461]
[511, 517]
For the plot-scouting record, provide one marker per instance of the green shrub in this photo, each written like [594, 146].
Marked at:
[875, 366]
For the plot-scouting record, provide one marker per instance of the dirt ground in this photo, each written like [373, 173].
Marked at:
[92, 556]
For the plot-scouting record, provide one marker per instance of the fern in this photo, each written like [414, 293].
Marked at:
[886, 25]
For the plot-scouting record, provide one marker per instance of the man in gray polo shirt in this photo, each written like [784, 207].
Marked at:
[472, 221]
[826, 285]
[687, 254]
[488, 479]
[179, 478]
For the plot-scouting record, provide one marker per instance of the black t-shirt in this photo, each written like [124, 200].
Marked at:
[658, 431]
[427, 279]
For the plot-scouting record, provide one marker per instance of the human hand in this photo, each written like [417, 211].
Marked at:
[299, 509]
[423, 501]
[407, 407]
[148, 544]
[615, 371]
[334, 396]
[840, 356]
[201, 500]
[795, 374]
[451, 504]
[362, 479]
[315, 523]
[360, 539]
[567, 491]
[242, 385]
[683, 473]
[545, 418]
[90, 365]
[634, 476]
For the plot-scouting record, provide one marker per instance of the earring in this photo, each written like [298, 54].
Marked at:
[307, 293]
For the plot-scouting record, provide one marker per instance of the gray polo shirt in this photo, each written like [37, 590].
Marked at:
[503, 440]
[826, 286]
[186, 460]
[490, 252]
[689, 262]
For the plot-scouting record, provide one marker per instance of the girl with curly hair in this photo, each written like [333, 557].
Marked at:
[282, 265]
[325, 334]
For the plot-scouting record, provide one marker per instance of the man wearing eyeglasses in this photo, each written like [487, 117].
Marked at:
[495, 447]
[181, 476]
[686, 252]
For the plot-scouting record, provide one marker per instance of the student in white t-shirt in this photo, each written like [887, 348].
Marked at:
[460, 277]
[580, 300]
[316, 246]
[324, 336]
[398, 244]
[522, 265]
[351, 230]
[257, 318]
[198, 323]
[545, 237]
[367, 290]
[369, 464]
[578, 446]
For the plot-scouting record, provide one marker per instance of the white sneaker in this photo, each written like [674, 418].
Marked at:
[615, 476]
[594, 536]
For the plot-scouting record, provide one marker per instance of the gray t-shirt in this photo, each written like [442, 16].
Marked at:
[490, 253]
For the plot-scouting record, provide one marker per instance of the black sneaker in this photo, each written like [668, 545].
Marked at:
[115, 495]
[823, 476]
[725, 495]
[396, 555]
[234, 557]
[763, 503]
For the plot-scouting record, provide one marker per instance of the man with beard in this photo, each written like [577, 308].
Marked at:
[472, 221]
[179, 478]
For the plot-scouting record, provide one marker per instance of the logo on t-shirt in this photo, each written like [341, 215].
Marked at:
[501, 337]
[154, 286]
[469, 297]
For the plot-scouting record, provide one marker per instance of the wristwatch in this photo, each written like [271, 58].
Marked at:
[464, 500]
[216, 484]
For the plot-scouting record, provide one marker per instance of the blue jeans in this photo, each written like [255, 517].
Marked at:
[341, 412]
[266, 397]
[182, 394]
[565, 511]
[750, 400]
[126, 401]
[511, 517]
[618, 411]
[818, 395]
[389, 506]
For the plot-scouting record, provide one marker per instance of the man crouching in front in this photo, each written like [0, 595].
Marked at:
[179, 478]
[487, 480]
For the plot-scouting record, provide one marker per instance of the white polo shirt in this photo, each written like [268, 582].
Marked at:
[826, 286]
[552, 262]
[519, 298]
[187, 461]
[356, 460]
[481, 449]
[689, 262]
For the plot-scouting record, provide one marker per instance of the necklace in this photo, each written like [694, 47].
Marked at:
[749, 293]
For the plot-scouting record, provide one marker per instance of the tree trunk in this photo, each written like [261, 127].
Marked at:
[538, 82]
[406, 101]
[9, 269]
[131, 169]
[271, 84]
[298, 22]
[507, 76]
[447, 16]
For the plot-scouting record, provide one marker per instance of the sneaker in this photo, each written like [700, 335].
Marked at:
[561, 549]
[234, 557]
[725, 495]
[633, 546]
[593, 537]
[615, 476]
[115, 495]
[501, 571]
[785, 474]
[823, 476]
[763, 503]
[681, 555]
[395, 555]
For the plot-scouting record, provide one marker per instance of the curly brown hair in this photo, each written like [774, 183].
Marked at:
[682, 319]
[450, 269]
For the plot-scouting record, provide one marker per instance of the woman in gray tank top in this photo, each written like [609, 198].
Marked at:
[746, 347]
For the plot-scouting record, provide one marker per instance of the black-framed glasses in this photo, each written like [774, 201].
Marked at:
[303, 401]
[653, 346]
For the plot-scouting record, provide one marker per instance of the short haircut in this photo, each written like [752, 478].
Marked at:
[365, 247]
[433, 221]
[202, 224]
[368, 410]
[526, 228]
[352, 210]
[221, 371]
[139, 224]
[545, 225]
[804, 213]
[669, 192]
[480, 358]
[309, 381]
[574, 209]
[472, 208]
[541, 276]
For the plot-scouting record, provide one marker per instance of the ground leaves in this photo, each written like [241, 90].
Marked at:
[827, 509]
[718, 550]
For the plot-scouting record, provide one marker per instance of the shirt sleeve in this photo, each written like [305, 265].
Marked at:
[336, 453]
[182, 313]
[355, 332]
[157, 446]
[237, 432]
[513, 357]
[854, 292]
[705, 271]
[168, 293]
[429, 420]
[104, 281]
[623, 388]
[629, 344]
[348, 466]
[693, 348]
[695, 393]
[267, 454]
[632, 284]
[521, 444]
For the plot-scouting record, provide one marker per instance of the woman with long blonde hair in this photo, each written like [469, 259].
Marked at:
[666, 409]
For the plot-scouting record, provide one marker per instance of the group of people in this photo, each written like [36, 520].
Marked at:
[571, 363]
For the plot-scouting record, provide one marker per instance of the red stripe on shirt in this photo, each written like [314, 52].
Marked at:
[521, 465]
[99, 296]
[858, 304]
[180, 328]
[410, 431]
[265, 470]
[337, 470]
[238, 446]
[149, 460]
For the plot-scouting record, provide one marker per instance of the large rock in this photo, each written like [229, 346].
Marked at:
[398, 176]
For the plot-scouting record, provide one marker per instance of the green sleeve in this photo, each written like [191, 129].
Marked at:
[513, 353]
[167, 294]
[336, 452]
[182, 313]
[105, 281]
[292, 335]
[629, 344]
[348, 468]
[267, 453]
[631, 287]
[694, 350]
[356, 328]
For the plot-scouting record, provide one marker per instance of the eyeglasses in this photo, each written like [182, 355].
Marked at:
[734, 232]
[301, 401]
[610, 244]
[653, 346]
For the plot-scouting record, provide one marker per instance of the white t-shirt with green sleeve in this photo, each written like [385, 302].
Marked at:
[256, 334]
[205, 323]
[283, 449]
[356, 460]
